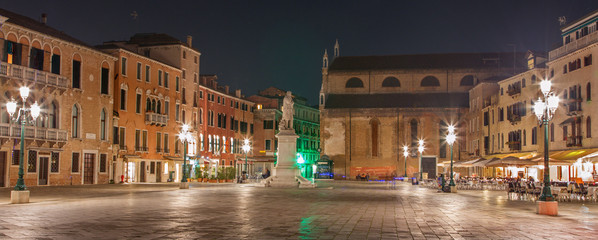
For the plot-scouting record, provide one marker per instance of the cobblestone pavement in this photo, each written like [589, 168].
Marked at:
[336, 210]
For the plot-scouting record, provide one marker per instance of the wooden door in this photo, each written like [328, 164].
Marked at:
[158, 172]
[429, 166]
[88, 169]
[142, 172]
[42, 176]
[2, 168]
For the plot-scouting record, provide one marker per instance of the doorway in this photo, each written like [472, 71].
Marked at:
[158, 172]
[142, 171]
[88, 169]
[429, 166]
[42, 176]
[2, 168]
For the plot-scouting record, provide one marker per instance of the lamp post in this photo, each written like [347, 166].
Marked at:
[420, 149]
[450, 139]
[34, 110]
[246, 149]
[405, 154]
[185, 137]
[544, 109]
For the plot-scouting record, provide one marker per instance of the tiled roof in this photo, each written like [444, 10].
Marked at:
[37, 26]
[398, 100]
[430, 61]
[154, 39]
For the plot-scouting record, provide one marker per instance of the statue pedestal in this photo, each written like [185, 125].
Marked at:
[285, 173]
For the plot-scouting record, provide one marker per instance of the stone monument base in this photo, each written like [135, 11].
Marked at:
[453, 189]
[550, 208]
[17, 197]
[184, 185]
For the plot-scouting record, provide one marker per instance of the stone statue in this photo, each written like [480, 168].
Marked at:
[286, 123]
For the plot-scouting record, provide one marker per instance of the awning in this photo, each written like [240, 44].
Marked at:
[468, 163]
[520, 155]
[569, 120]
[180, 159]
[510, 161]
[131, 156]
[568, 155]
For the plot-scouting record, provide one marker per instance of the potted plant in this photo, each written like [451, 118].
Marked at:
[230, 174]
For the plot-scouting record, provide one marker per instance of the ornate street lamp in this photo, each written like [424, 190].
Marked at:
[185, 137]
[405, 154]
[544, 109]
[450, 139]
[420, 149]
[246, 149]
[34, 110]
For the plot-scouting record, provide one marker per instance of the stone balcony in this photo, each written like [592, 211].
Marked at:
[573, 45]
[33, 75]
[33, 133]
[156, 119]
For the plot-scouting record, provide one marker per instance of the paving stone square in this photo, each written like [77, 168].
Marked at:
[335, 210]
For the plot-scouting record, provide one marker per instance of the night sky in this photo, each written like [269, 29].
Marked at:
[256, 44]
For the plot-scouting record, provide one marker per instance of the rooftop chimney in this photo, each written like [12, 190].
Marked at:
[189, 41]
[44, 18]
[238, 93]
[226, 89]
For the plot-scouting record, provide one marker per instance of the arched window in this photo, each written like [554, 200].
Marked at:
[413, 125]
[523, 83]
[430, 81]
[53, 116]
[524, 138]
[103, 125]
[589, 127]
[153, 105]
[321, 99]
[552, 132]
[148, 105]
[159, 107]
[442, 130]
[533, 79]
[375, 128]
[75, 122]
[391, 82]
[354, 83]
[589, 92]
[467, 81]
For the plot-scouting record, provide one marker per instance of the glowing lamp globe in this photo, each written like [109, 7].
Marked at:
[553, 102]
[35, 109]
[11, 107]
[451, 129]
[24, 92]
[539, 107]
[450, 138]
[545, 86]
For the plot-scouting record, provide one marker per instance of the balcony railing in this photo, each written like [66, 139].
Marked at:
[573, 45]
[574, 141]
[513, 91]
[574, 106]
[122, 147]
[166, 150]
[33, 75]
[514, 145]
[140, 149]
[514, 118]
[31, 132]
[155, 119]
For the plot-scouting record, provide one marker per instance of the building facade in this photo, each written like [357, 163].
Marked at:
[145, 129]
[305, 122]
[372, 106]
[69, 143]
